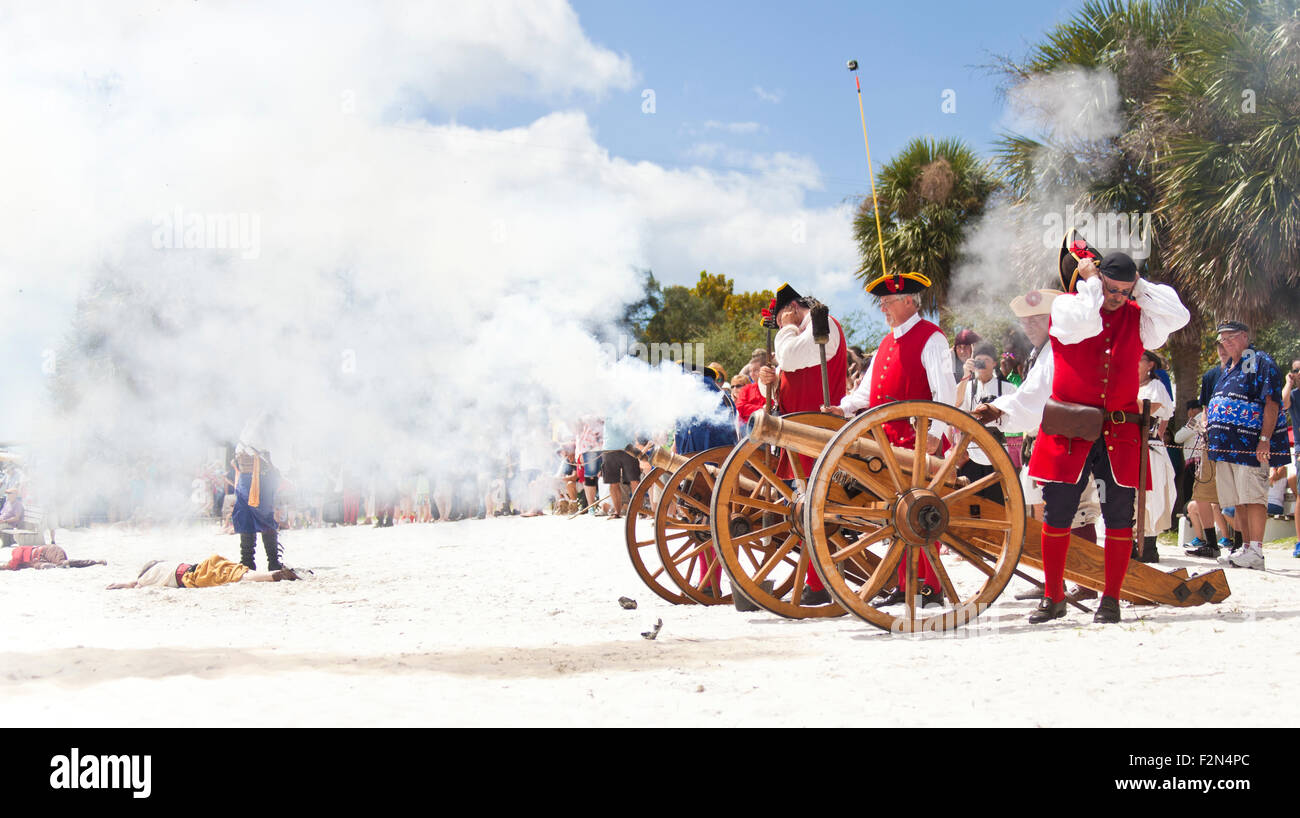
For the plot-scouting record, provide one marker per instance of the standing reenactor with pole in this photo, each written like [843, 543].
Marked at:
[798, 378]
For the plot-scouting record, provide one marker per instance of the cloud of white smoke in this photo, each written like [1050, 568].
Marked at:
[233, 209]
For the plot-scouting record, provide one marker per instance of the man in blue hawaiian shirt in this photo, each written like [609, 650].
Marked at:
[1247, 434]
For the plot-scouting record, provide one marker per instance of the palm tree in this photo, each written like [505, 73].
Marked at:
[1230, 175]
[928, 194]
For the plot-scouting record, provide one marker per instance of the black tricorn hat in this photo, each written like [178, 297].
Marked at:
[1074, 248]
[784, 295]
[898, 284]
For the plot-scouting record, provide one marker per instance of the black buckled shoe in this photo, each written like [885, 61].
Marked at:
[894, 597]
[931, 598]
[1047, 610]
[810, 597]
[1107, 611]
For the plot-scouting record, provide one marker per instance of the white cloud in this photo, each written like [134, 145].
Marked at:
[773, 97]
[459, 270]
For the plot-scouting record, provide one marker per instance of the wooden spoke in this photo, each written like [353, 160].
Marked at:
[966, 551]
[688, 526]
[949, 590]
[763, 505]
[920, 460]
[800, 573]
[694, 552]
[913, 555]
[860, 512]
[772, 480]
[885, 571]
[709, 480]
[693, 503]
[979, 522]
[760, 533]
[862, 544]
[972, 488]
[774, 560]
[887, 452]
[949, 462]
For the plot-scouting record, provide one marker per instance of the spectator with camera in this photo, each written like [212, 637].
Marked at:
[981, 384]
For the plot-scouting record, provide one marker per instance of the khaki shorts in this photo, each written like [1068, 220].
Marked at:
[1241, 485]
[1208, 491]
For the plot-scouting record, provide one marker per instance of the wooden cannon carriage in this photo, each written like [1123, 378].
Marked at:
[722, 522]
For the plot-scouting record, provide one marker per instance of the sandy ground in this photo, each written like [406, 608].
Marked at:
[516, 622]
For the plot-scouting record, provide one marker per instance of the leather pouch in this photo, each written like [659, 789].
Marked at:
[1072, 420]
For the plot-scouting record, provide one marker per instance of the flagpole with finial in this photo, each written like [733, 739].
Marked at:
[880, 236]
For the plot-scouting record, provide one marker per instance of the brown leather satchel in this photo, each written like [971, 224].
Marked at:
[1072, 420]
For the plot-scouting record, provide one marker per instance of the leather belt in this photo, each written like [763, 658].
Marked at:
[1117, 417]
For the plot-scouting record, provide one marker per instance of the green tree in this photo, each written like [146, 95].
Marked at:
[683, 317]
[714, 289]
[928, 194]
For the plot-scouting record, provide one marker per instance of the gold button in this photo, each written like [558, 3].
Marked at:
[1110, 448]
[1103, 380]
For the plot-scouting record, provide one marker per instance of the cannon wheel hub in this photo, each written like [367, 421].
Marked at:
[920, 515]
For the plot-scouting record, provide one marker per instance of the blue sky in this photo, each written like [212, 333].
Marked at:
[768, 78]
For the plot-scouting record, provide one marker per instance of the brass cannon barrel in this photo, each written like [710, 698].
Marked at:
[669, 462]
[812, 441]
[666, 460]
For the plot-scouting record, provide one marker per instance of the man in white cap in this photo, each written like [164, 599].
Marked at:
[1247, 435]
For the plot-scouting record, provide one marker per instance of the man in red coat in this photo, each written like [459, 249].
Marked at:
[912, 363]
[800, 384]
[1098, 334]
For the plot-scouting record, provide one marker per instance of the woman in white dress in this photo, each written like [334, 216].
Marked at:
[1163, 495]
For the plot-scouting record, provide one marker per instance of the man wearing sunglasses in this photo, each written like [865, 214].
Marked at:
[1099, 331]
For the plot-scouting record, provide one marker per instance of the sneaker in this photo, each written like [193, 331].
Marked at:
[1296, 552]
[1196, 544]
[1232, 550]
[1247, 558]
[1202, 550]
[1225, 542]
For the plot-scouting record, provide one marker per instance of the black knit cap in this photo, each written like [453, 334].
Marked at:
[1118, 267]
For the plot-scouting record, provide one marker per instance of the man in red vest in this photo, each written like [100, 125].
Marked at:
[800, 383]
[912, 363]
[1099, 330]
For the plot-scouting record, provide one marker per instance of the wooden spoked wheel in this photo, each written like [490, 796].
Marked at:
[756, 529]
[642, 547]
[682, 533]
[909, 509]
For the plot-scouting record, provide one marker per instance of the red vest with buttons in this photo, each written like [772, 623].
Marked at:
[1099, 371]
[899, 375]
[801, 391]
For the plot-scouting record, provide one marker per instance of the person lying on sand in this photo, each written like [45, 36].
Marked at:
[213, 571]
[44, 556]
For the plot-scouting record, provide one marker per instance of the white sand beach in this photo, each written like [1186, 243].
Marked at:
[513, 621]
